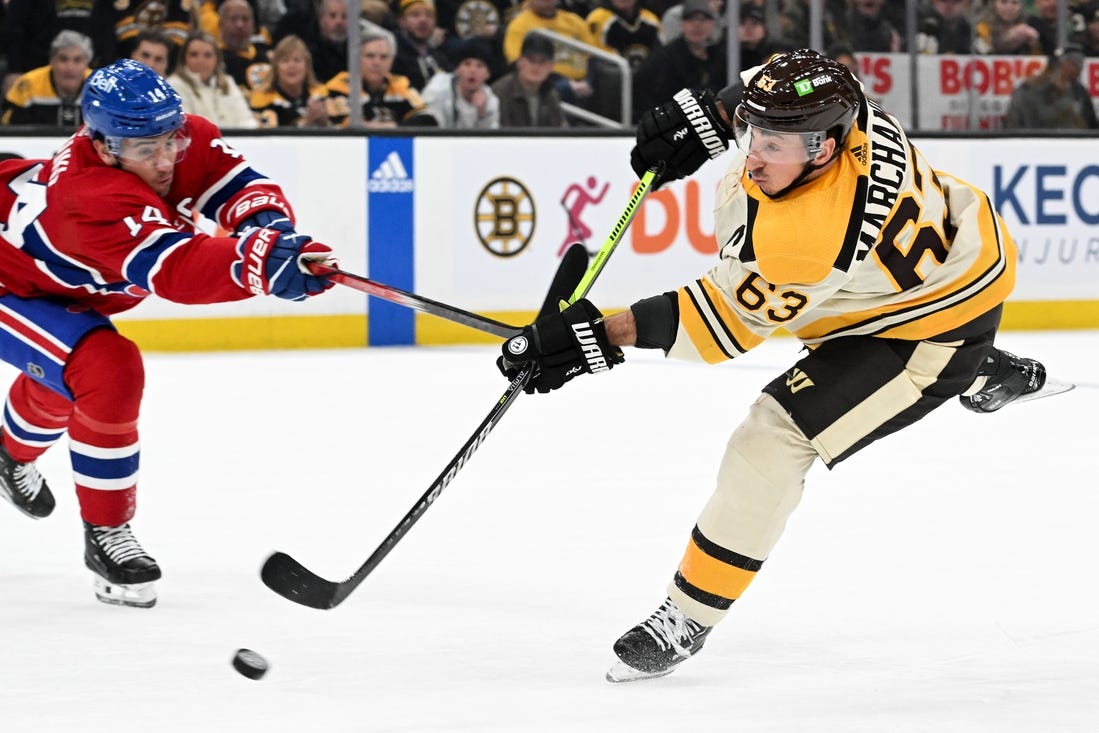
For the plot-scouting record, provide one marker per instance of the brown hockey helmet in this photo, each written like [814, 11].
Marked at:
[802, 91]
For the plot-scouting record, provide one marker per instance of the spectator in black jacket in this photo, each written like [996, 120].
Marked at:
[685, 62]
[419, 56]
[944, 27]
[324, 31]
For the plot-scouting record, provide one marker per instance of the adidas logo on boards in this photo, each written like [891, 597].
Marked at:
[390, 177]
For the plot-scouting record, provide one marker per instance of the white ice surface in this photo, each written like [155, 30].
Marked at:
[941, 580]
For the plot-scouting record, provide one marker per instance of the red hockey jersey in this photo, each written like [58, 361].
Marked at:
[76, 229]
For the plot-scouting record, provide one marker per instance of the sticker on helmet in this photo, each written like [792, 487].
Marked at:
[765, 83]
[803, 87]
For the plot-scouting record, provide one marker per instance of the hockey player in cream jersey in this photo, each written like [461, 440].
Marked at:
[833, 226]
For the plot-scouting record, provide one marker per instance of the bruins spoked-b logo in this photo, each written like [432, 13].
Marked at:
[504, 217]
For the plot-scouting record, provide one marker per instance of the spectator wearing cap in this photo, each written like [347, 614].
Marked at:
[755, 45]
[688, 61]
[625, 28]
[462, 99]
[1054, 98]
[527, 94]
[388, 99]
[671, 23]
[570, 65]
[419, 41]
[50, 95]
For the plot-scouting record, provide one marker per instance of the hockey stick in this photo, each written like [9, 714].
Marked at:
[293, 581]
[413, 301]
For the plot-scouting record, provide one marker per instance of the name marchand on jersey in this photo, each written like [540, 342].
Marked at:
[888, 168]
[881, 245]
[701, 122]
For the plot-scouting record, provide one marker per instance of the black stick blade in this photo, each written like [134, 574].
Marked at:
[294, 582]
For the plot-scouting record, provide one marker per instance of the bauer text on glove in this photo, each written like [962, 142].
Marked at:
[274, 263]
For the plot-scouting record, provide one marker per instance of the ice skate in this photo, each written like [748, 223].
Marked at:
[124, 572]
[23, 486]
[1005, 378]
[657, 645]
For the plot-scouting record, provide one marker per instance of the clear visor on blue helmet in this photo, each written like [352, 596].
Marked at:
[150, 150]
[775, 146]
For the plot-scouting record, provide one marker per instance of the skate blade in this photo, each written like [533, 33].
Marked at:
[622, 672]
[136, 595]
[1050, 388]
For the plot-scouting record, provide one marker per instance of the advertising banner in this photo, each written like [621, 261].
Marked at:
[481, 222]
[493, 215]
[955, 92]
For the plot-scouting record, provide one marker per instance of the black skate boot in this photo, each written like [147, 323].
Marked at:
[657, 645]
[1008, 378]
[124, 572]
[23, 486]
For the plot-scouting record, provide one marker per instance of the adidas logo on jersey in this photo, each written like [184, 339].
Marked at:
[860, 153]
[390, 177]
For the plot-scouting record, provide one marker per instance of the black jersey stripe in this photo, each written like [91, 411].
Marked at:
[917, 177]
[723, 554]
[709, 315]
[705, 598]
[748, 250]
[850, 249]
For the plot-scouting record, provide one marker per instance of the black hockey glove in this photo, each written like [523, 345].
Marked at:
[561, 346]
[682, 134]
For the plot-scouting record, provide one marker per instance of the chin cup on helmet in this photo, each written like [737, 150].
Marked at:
[127, 99]
[799, 93]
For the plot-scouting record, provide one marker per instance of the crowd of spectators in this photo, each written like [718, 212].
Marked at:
[473, 64]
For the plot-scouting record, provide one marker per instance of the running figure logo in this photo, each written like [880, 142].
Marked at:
[574, 200]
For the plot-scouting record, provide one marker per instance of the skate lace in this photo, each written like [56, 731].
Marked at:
[28, 480]
[670, 628]
[119, 543]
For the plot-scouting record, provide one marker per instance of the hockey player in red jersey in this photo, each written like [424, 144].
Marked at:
[834, 227]
[109, 220]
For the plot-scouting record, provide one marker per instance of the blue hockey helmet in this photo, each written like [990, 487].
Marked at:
[128, 99]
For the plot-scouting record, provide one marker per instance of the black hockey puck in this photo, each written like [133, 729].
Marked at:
[250, 664]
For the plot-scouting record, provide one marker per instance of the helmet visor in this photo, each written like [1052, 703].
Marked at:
[775, 146]
[149, 150]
